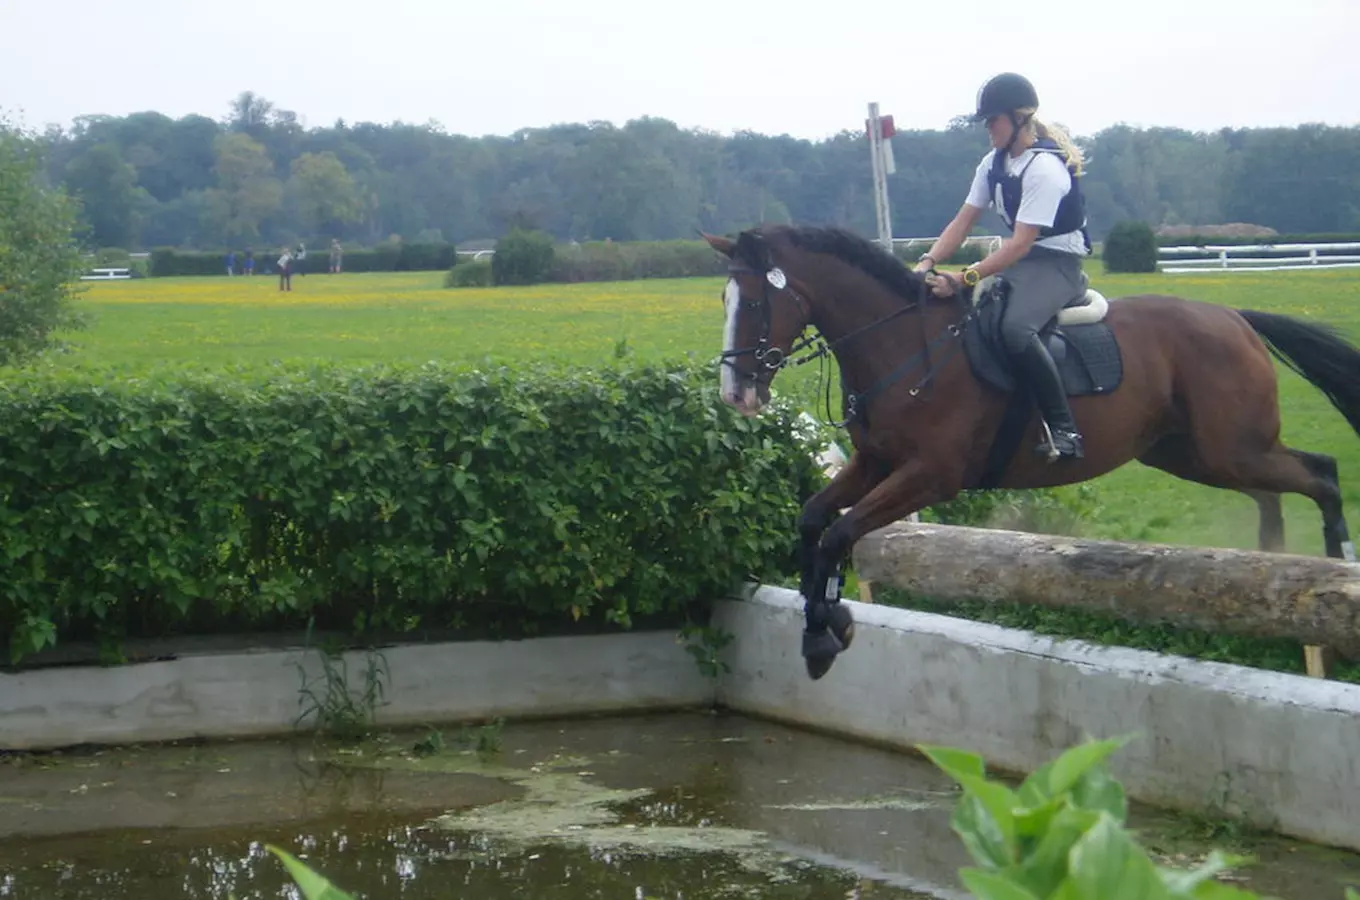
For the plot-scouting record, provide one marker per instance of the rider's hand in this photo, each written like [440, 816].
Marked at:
[942, 284]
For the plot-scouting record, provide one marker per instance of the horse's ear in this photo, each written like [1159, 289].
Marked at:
[723, 245]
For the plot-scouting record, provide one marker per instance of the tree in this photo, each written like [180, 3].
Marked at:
[324, 193]
[40, 261]
[247, 191]
[107, 189]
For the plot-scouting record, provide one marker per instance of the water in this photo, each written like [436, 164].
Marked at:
[687, 806]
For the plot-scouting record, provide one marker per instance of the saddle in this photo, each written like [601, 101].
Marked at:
[1082, 345]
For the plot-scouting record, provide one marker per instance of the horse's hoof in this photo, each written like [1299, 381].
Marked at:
[819, 651]
[820, 643]
[817, 666]
[842, 624]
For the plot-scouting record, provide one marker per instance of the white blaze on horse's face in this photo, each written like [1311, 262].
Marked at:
[743, 398]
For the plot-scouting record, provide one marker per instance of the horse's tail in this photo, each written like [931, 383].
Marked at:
[1318, 353]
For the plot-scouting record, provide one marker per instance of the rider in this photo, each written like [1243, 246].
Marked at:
[1032, 178]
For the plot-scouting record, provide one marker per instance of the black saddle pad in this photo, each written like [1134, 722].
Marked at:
[1087, 355]
[1088, 359]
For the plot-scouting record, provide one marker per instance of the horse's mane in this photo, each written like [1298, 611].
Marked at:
[852, 249]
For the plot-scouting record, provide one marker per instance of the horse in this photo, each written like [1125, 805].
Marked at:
[1184, 386]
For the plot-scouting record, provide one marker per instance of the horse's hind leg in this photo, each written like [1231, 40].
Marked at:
[1335, 535]
[1175, 455]
[1271, 537]
[1264, 476]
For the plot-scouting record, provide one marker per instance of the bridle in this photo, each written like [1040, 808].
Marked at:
[771, 359]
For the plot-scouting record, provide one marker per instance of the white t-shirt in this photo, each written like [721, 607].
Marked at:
[1046, 182]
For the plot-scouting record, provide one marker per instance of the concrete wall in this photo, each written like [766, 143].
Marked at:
[1280, 750]
[240, 694]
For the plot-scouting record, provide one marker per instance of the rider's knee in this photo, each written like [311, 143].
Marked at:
[1016, 338]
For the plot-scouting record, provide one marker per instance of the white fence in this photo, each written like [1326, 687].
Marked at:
[989, 242]
[1247, 258]
[108, 274]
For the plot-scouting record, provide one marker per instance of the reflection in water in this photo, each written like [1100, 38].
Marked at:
[408, 861]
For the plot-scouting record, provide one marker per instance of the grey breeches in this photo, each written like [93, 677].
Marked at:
[1042, 282]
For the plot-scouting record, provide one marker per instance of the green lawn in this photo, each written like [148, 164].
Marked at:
[213, 322]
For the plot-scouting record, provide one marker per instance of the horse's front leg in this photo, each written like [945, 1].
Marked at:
[829, 625]
[853, 481]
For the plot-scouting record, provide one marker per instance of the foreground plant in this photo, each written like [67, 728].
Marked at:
[1062, 835]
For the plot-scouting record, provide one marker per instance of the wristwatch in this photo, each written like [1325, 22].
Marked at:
[971, 277]
[926, 256]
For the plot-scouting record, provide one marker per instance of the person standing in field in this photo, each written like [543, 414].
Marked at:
[300, 259]
[250, 261]
[286, 271]
[231, 263]
[337, 256]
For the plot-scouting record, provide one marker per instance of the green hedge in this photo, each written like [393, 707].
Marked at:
[501, 502]
[600, 261]
[390, 257]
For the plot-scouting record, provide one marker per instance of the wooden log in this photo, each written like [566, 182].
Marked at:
[1315, 600]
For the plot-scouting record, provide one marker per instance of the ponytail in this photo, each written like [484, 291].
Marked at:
[1055, 133]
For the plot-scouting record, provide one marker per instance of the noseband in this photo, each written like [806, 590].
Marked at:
[768, 357]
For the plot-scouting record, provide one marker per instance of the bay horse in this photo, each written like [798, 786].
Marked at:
[1193, 393]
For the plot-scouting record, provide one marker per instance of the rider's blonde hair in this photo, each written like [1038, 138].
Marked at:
[1057, 135]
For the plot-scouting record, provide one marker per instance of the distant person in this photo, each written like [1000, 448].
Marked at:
[231, 263]
[286, 271]
[250, 261]
[337, 256]
[300, 259]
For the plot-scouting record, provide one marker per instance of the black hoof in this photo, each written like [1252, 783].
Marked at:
[821, 643]
[817, 666]
[819, 652]
[842, 624]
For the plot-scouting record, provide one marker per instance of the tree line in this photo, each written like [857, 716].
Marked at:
[258, 177]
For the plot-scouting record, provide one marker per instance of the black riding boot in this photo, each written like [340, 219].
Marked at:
[1042, 376]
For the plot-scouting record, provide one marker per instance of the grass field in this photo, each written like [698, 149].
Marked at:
[212, 322]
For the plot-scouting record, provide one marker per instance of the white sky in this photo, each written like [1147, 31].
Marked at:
[804, 68]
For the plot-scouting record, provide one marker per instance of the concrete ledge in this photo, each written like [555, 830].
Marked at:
[251, 694]
[1281, 751]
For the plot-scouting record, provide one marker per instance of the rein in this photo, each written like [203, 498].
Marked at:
[856, 404]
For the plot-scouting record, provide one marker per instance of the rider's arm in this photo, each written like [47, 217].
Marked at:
[952, 237]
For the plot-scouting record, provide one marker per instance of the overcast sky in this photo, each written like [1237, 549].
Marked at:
[803, 68]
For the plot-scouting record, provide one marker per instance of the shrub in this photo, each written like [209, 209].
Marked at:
[1062, 835]
[522, 257]
[1131, 247]
[509, 502]
[616, 261]
[40, 263]
[470, 274]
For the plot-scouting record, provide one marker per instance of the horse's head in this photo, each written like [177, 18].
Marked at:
[765, 315]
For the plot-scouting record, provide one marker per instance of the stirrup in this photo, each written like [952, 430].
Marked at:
[1060, 444]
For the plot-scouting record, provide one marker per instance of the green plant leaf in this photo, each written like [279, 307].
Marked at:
[984, 819]
[312, 885]
[957, 764]
[1107, 864]
[1099, 791]
[1045, 866]
[1064, 772]
[993, 886]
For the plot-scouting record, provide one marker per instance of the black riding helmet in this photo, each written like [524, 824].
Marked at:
[1005, 93]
